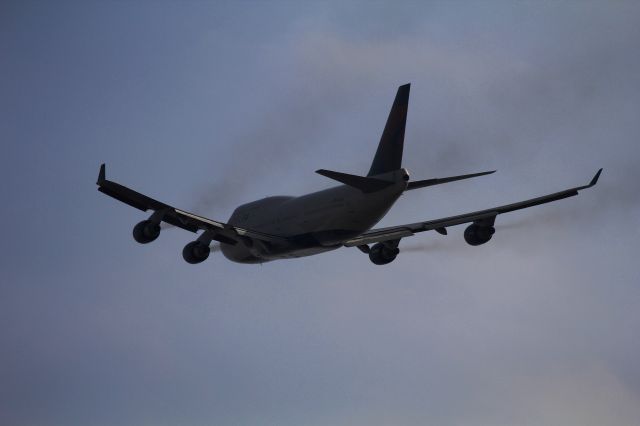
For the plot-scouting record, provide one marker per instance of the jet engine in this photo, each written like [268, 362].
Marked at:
[146, 231]
[196, 252]
[478, 234]
[380, 254]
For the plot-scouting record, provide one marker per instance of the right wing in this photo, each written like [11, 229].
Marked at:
[182, 219]
[481, 216]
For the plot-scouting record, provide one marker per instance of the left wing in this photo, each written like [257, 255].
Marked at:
[481, 217]
[182, 219]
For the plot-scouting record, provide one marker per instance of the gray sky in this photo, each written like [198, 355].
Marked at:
[209, 105]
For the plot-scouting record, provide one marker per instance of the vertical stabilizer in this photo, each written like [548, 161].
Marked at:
[389, 154]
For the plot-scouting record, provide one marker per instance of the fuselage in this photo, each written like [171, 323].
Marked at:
[312, 223]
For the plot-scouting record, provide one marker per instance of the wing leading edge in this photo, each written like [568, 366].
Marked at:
[440, 225]
[182, 219]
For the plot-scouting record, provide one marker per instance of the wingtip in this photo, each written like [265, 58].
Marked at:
[101, 175]
[483, 173]
[595, 178]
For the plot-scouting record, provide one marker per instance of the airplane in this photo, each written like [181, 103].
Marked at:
[282, 227]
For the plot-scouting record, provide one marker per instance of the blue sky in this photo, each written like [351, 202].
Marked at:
[208, 105]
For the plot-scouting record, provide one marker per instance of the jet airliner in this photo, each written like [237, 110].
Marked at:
[282, 227]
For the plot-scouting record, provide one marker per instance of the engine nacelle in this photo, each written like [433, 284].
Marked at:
[196, 252]
[380, 254]
[146, 231]
[476, 235]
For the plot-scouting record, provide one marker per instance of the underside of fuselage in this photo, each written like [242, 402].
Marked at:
[243, 254]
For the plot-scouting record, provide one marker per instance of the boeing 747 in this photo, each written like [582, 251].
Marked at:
[283, 227]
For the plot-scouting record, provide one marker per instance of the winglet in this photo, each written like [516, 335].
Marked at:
[595, 179]
[101, 175]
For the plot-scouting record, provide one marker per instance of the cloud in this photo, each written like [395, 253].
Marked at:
[536, 327]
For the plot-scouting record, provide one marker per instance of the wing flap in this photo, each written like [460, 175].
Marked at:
[379, 236]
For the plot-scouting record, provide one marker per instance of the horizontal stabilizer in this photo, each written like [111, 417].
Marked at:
[364, 184]
[430, 182]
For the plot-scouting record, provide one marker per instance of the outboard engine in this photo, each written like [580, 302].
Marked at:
[380, 254]
[476, 234]
[146, 231]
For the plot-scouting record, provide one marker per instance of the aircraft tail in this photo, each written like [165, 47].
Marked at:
[389, 154]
